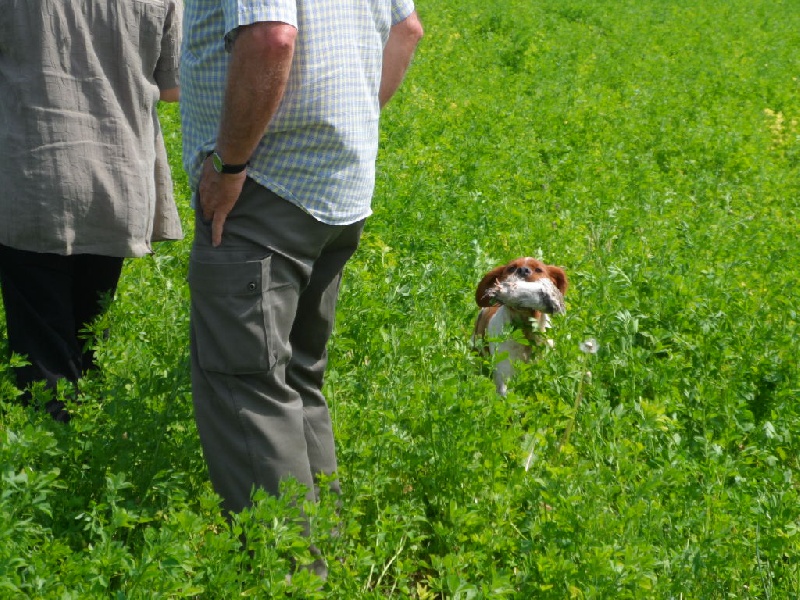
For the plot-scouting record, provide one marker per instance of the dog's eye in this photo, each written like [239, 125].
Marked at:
[539, 270]
[510, 269]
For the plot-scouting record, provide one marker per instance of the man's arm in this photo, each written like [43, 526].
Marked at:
[403, 40]
[260, 63]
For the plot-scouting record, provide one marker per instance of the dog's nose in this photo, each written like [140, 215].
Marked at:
[524, 272]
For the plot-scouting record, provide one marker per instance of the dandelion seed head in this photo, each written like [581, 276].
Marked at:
[589, 346]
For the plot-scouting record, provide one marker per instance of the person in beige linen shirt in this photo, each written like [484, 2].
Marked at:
[84, 181]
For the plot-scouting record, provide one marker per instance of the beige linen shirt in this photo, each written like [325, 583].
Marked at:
[82, 159]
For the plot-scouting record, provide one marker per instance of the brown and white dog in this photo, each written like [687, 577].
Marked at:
[521, 295]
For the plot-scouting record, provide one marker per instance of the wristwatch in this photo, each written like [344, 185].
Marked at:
[221, 167]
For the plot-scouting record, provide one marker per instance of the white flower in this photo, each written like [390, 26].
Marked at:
[590, 346]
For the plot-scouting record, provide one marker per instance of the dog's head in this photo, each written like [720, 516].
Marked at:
[524, 268]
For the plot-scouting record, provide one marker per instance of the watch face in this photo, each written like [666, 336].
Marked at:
[216, 161]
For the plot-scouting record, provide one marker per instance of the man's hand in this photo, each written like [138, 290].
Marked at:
[218, 194]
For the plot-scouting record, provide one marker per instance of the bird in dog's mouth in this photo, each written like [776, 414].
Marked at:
[514, 292]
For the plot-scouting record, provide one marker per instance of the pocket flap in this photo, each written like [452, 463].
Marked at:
[231, 279]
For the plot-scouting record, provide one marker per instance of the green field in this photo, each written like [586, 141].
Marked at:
[652, 149]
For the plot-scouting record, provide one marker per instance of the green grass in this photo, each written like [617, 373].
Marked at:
[649, 147]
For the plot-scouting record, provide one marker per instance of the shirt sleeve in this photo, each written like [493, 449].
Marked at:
[247, 12]
[401, 9]
[166, 73]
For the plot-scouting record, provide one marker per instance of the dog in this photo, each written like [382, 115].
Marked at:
[520, 295]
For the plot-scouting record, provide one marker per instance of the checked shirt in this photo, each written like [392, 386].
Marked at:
[319, 150]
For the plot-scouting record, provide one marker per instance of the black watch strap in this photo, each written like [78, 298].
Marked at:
[221, 167]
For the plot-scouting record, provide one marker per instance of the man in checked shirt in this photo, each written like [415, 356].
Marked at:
[280, 102]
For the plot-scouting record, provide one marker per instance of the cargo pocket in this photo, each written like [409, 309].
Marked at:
[231, 318]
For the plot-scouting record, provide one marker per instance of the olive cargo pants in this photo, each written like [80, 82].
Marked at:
[262, 311]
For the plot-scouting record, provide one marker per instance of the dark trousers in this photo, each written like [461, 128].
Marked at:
[49, 300]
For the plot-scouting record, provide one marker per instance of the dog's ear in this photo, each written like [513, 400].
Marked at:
[557, 274]
[488, 281]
